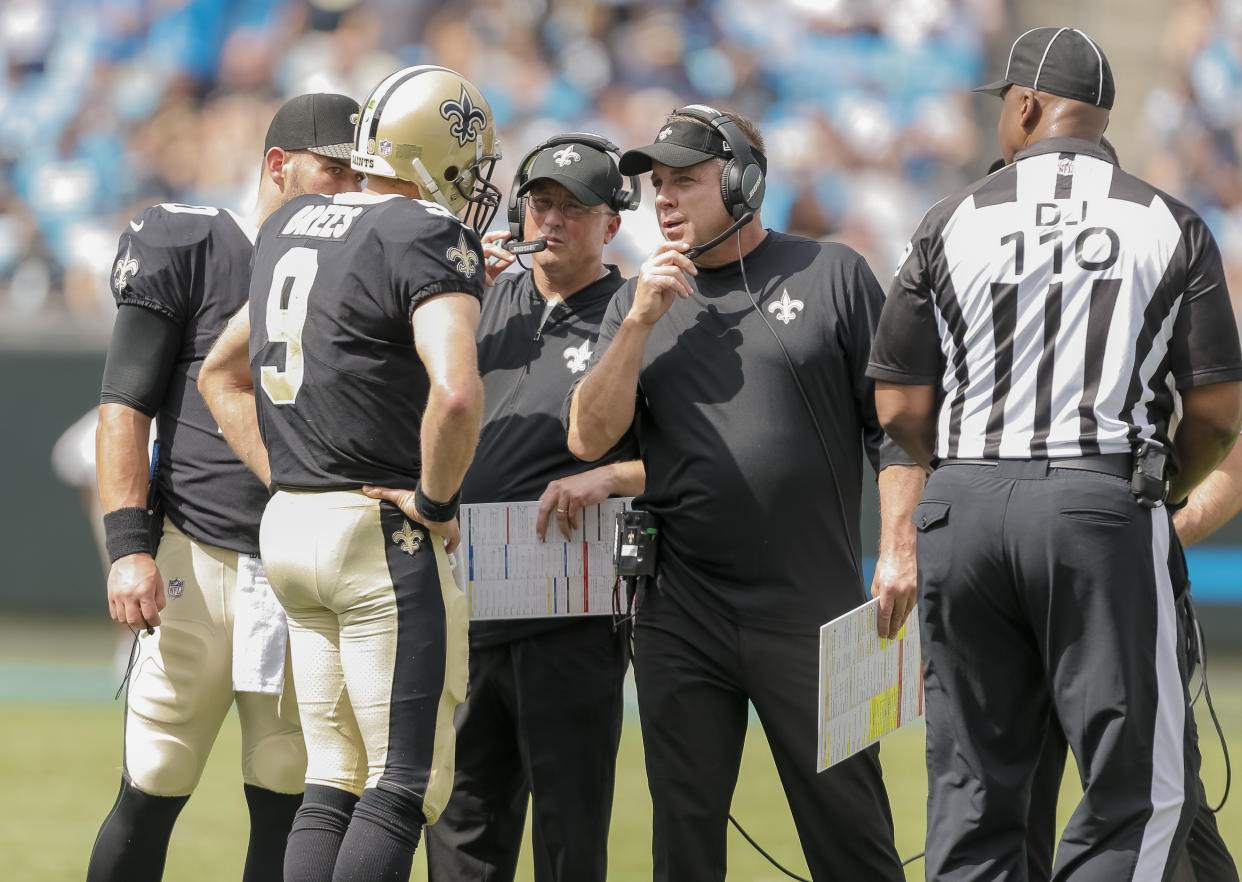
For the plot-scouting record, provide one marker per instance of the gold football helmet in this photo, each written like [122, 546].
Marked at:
[431, 126]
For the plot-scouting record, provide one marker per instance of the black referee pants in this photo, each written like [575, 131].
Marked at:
[1051, 591]
[695, 674]
[1204, 858]
[541, 723]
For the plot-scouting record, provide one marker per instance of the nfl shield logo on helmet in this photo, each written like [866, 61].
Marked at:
[385, 147]
[176, 587]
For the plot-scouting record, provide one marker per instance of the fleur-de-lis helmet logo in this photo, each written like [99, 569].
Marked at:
[463, 256]
[465, 119]
[785, 309]
[565, 156]
[126, 267]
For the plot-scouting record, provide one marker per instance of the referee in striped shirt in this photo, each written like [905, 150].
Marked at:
[1025, 352]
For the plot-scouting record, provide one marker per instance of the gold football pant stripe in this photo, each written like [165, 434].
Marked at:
[378, 632]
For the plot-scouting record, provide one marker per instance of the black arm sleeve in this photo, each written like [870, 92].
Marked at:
[140, 358]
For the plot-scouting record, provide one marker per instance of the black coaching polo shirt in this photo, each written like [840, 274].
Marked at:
[529, 357]
[755, 522]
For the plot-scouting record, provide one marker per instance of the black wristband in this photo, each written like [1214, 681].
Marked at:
[437, 512]
[127, 531]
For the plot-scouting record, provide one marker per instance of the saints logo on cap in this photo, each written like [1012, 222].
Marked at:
[566, 156]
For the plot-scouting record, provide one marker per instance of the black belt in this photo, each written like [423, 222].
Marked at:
[1119, 465]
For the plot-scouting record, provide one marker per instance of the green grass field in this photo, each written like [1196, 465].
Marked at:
[61, 764]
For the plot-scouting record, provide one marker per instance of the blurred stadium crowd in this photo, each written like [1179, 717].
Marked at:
[110, 105]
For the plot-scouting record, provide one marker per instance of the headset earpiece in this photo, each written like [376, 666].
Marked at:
[742, 182]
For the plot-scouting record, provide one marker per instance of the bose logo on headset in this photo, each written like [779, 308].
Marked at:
[621, 200]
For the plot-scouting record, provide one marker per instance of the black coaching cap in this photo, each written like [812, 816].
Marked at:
[1060, 61]
[587, 172]
[320, 122]
[682, 142]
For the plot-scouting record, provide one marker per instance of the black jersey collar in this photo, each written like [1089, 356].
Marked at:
[732, 266]
[601, 289]
[1063, 145]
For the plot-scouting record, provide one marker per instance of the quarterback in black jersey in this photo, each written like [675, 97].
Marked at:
[358, 350]
[181, 272]
[542, 717]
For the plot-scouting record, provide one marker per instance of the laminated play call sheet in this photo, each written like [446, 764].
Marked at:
[869, 686]
[507, 573]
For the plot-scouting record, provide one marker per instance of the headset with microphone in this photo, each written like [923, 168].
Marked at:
[742, 180]
[621, 200]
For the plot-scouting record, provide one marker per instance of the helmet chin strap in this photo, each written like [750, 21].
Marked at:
[427, 184]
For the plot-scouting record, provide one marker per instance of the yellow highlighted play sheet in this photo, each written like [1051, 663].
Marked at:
[869, 686]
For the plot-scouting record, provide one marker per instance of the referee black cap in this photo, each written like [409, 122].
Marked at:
[1060, 61]
[320, 122]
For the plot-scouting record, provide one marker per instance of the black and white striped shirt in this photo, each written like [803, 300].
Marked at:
[1049, 303]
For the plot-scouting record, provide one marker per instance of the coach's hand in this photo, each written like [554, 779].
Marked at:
[896, 584]
[498, 260]
[136, 591]
[567, 497]
[664, 277]
[449, 531]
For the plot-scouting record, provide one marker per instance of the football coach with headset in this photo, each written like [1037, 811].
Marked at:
[542, 717]
[1025, 350]
[738, 356]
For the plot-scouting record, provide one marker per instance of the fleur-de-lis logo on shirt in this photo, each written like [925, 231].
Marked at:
[465, 258]
[566, 156]
[785, 310]
[126, 268]
[466, 120]
[408, 539]
[576, 357]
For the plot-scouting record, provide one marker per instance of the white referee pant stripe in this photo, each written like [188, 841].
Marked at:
[1168, 768]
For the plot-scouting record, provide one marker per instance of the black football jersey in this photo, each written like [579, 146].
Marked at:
[191, 264]
[339, 385]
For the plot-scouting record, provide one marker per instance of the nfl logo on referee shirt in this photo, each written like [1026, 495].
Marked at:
[176, 587]
[408, 540]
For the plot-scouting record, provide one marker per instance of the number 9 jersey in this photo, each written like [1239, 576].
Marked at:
[339, 387]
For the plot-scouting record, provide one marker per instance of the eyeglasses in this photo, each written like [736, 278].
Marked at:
[569, 210]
